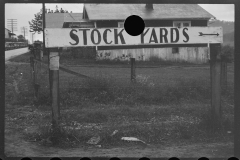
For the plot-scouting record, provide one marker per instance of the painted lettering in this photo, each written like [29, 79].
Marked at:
[74, 37]
[163, 35]
[154, 36]
[92, 36]
[142, 35]
[116, 35]
[84, 35]
[177, 35]
[105, 36]
[186, 35]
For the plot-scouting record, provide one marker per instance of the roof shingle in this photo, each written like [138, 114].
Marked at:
[56, 20]
[160, 11]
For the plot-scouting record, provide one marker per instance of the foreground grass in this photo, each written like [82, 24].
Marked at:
[147, 109]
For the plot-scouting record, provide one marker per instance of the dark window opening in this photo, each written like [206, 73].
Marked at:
[175, 50]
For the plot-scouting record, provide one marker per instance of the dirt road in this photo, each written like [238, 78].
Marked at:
[12, 53]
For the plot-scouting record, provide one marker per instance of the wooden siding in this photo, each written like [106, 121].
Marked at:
[188, 54]
[198, 54]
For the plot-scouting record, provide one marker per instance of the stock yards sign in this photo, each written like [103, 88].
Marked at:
[76, 37]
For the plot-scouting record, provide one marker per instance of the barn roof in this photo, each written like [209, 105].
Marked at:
[160, 11]
[56, 20]
[9, 32]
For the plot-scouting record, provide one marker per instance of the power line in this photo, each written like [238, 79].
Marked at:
[24, 31]
[12, 23]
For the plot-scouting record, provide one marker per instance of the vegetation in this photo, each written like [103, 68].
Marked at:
[227, 53]
[165, 105]
[36, 23]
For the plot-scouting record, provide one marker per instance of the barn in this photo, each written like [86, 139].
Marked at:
[154, 15]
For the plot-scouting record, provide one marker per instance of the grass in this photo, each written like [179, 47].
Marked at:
[166, 105]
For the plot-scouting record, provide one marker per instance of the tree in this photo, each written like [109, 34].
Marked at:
[20, 37]
[36, 23]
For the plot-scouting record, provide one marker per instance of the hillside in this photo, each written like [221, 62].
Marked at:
[228, 30]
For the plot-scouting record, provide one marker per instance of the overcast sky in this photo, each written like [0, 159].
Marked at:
[25, 12]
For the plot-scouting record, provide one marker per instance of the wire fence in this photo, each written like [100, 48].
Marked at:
[110, 83]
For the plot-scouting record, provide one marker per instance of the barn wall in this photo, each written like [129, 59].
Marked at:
[189, 54]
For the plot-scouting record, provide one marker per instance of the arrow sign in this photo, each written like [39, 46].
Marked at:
[77, 37]
[201, 34]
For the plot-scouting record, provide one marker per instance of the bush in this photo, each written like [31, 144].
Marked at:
[227, 53]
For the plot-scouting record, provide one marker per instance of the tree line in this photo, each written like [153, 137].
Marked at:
[36, 23]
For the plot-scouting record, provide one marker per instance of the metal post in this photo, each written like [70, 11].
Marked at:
[133, 70]
[215, 69]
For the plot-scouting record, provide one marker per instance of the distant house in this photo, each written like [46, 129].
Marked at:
[154, 15]
[8, 33]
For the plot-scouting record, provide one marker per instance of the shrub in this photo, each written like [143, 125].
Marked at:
[227, 52]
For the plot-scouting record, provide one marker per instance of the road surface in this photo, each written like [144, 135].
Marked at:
[12, 53]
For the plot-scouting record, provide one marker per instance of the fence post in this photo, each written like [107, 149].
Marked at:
[32, 70]
[215, 73]
[223, 73]
[54, 84]
[133, 70]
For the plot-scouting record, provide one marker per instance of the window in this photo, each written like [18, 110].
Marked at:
[175, 50]
[181, 24]
[120, 24]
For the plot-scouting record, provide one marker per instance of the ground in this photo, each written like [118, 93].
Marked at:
[166, 108]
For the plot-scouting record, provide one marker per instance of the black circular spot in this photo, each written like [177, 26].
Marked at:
[144, 158]
[134, 25]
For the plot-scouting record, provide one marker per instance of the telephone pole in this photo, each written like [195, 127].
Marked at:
[12, 24]
[24, 31]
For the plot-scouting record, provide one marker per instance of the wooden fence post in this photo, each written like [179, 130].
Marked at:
[54, 80]
[215, 73]
[35, 73]
[223, 73]
[133, 70]
[32, 70]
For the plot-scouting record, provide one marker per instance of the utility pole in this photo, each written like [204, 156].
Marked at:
[24, 31]
[12, 24]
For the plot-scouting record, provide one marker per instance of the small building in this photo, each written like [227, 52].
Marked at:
[154, 15]
[8, 33]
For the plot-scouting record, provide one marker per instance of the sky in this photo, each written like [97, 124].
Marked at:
[25, 12]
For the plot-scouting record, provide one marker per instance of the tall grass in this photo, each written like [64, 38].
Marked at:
[103, 89]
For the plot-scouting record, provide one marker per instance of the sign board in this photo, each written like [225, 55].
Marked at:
[76, 37]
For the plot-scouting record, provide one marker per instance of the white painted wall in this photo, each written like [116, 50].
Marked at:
[187, 54]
